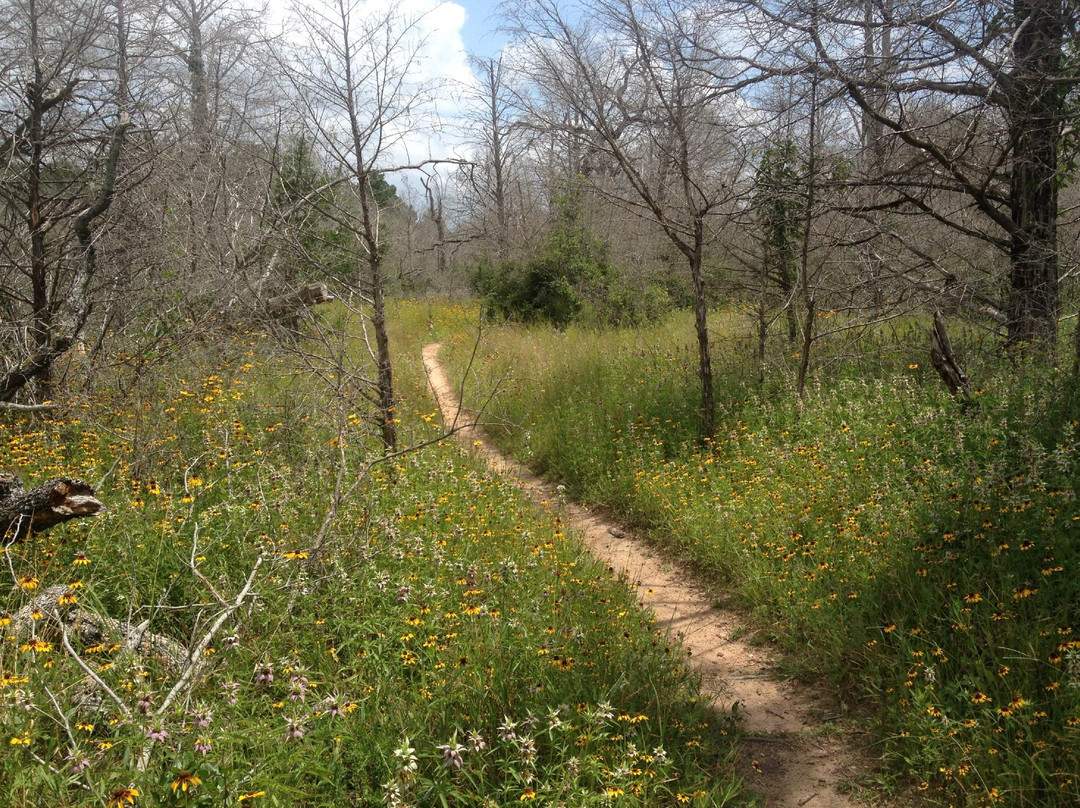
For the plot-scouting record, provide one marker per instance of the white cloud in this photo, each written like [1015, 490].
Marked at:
[440, 62]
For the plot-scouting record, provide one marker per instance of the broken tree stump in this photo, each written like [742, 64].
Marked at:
[944, 361]
[311, 295]
[24, 512]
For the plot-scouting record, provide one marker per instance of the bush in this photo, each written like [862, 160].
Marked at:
[570, 279]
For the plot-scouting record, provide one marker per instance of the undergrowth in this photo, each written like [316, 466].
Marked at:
[427, 640]
[919, 555]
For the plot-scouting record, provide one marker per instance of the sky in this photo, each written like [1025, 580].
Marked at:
[451, 31]
[478, 33]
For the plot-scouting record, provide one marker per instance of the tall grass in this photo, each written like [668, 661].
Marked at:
[433, 642]
[920, 556]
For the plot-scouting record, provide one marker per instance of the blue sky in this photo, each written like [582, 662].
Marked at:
[478, 32]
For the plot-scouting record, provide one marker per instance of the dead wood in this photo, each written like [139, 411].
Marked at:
[945, 363]
[47, 615]
[290, 303]
[23, 512]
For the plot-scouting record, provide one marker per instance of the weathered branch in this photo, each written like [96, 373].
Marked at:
[944, 361]
[311, 295]
[51, 503]
[58, 618]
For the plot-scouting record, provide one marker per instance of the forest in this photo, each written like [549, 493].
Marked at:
[787, 288]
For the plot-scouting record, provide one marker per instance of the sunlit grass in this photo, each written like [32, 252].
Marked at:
[894, 543]
[442, 645]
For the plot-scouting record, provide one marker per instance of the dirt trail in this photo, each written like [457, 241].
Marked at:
[791, 755]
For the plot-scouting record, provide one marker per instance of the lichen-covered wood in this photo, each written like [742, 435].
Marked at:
[44, 615]
[23, 512]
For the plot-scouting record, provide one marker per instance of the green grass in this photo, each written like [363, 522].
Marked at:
[446, 645]
[919, 556]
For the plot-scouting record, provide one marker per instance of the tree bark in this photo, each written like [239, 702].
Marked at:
[701, 325]
[1035, 125]
[35, 511]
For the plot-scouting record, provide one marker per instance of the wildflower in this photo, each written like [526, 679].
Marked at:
[157, 733]
[185, 780]
[980, 698]
[121, 796]
[475, 741]
[202, 718]
[78, 763]
[528, 795]
[203, 745]
[264, 674]
[294, 729]
[406, 756]
[81, 559]
[506, 729]
[451, 754]
[29, 582]
[298, 687]
[250, 795]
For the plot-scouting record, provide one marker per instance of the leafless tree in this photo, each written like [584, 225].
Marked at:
[357, 81]
[638, 97]
[962, 107]
[65, 119]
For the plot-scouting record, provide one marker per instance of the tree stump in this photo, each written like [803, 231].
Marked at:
[944, 361]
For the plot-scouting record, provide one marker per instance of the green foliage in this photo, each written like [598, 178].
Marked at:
[778, 203]
[928, 556]
[441, 615]
[570, 279]
[320, 247]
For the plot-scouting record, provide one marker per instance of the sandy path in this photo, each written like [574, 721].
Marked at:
[786, 757]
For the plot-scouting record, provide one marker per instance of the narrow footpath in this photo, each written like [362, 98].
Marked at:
[795, 751]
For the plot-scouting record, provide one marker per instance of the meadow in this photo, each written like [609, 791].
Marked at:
[356, 630]
[919, 557]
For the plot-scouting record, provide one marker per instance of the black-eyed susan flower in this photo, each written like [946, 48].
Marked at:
[184, 781]
[120, 796]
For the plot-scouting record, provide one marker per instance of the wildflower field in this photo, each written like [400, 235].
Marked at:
[352, 631]
[921, 558]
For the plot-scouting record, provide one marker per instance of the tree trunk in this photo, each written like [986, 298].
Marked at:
[701, 325]
[385, 375]
[1035, 118]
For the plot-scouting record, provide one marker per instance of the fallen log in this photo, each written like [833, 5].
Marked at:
[53, 613]
[289, 303]
[23, 512]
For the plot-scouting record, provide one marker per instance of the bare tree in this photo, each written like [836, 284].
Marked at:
[64, 126]
[962, 106]
[357, 82]
[642, 105]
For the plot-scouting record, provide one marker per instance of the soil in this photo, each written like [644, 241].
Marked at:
[797, 747]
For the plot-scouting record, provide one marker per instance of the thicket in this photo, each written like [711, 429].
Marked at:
[917, 554]
[569, 278]
[414, 633]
